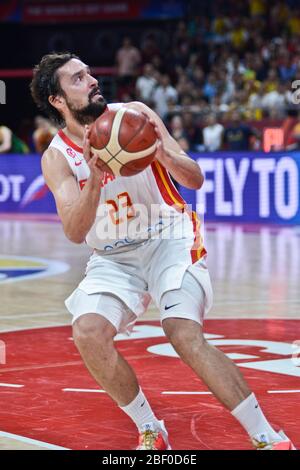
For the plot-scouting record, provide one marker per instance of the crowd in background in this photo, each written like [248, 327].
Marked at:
[219, 79]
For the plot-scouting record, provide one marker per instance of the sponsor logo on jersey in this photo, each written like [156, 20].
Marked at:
[106, 179]
[77, 159]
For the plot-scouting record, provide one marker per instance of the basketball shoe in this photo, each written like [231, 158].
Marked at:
[261, 443]
[154, 438]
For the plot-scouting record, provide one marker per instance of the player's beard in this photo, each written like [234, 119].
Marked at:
[88, 114]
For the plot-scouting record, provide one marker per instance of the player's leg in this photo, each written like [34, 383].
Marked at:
[219, 373]
[93, 335]
[97, 318]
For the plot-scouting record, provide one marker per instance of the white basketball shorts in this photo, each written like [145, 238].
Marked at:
[120, 286]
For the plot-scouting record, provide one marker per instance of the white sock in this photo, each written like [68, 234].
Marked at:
[140, 411]
[251, 417]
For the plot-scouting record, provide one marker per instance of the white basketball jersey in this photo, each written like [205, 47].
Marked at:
[135, 208]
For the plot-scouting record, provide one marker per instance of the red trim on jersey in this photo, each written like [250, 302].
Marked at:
[167, 189]
[197, 250]
[173, 198]
[69, 142]
[173, 189]
[161, 186]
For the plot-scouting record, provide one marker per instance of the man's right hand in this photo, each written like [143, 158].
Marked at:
[91, 159]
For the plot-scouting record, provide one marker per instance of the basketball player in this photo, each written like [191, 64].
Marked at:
[164, 260]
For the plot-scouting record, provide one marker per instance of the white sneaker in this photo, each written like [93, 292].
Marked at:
[261, 443]
[153, 437]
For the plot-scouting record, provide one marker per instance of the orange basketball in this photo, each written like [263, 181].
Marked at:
[124, 140]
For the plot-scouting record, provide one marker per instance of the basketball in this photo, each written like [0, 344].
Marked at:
[124, 140]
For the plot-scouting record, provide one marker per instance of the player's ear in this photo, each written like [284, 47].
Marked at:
[56, 101]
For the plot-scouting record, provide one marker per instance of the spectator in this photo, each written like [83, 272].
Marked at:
[217, 106]
[10, 143]
[255, 102]
[43, 134]
[287, 69]
[181, 55]
[192, 131]
[146, 84]
[294, 23]
[257, 8]
[149, 48]
[212, 134]
[197, 77]
[184, 86]
[239, 34]
[178, 133]
[275, 99]
[210, 87]
[176, 127]
[181, 33]
[279, 14]
[128, 60]
[164, 94]
[237, 137]
[158, 64]
[272, 81]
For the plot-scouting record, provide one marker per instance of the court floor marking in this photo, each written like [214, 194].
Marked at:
[254, 302]
[45, 366]
[210, 393]
[186, 393]
[84, 390]
[87, 390]
[217, 304]
[30, 315]
[14, 328]
[11, 385]
[27, 440]
[26, 328]
[93, 390]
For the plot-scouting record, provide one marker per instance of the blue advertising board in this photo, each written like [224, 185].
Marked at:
[239, 187]
[22, 186]
[247, 187]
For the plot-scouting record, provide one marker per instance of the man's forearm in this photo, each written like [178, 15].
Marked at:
[82, 213]
[183, 169]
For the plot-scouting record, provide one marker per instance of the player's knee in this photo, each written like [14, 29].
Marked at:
[93, 330]
[183, 333]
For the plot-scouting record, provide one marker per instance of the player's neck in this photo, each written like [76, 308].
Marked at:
[74, 131]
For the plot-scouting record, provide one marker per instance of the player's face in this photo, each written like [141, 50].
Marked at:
[83, 98]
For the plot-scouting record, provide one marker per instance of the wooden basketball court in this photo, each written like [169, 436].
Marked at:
[48, 400]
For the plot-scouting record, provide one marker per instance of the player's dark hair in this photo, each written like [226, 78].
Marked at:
[46, 82]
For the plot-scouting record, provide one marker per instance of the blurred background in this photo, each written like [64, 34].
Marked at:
[222, 74]
[203, 66]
